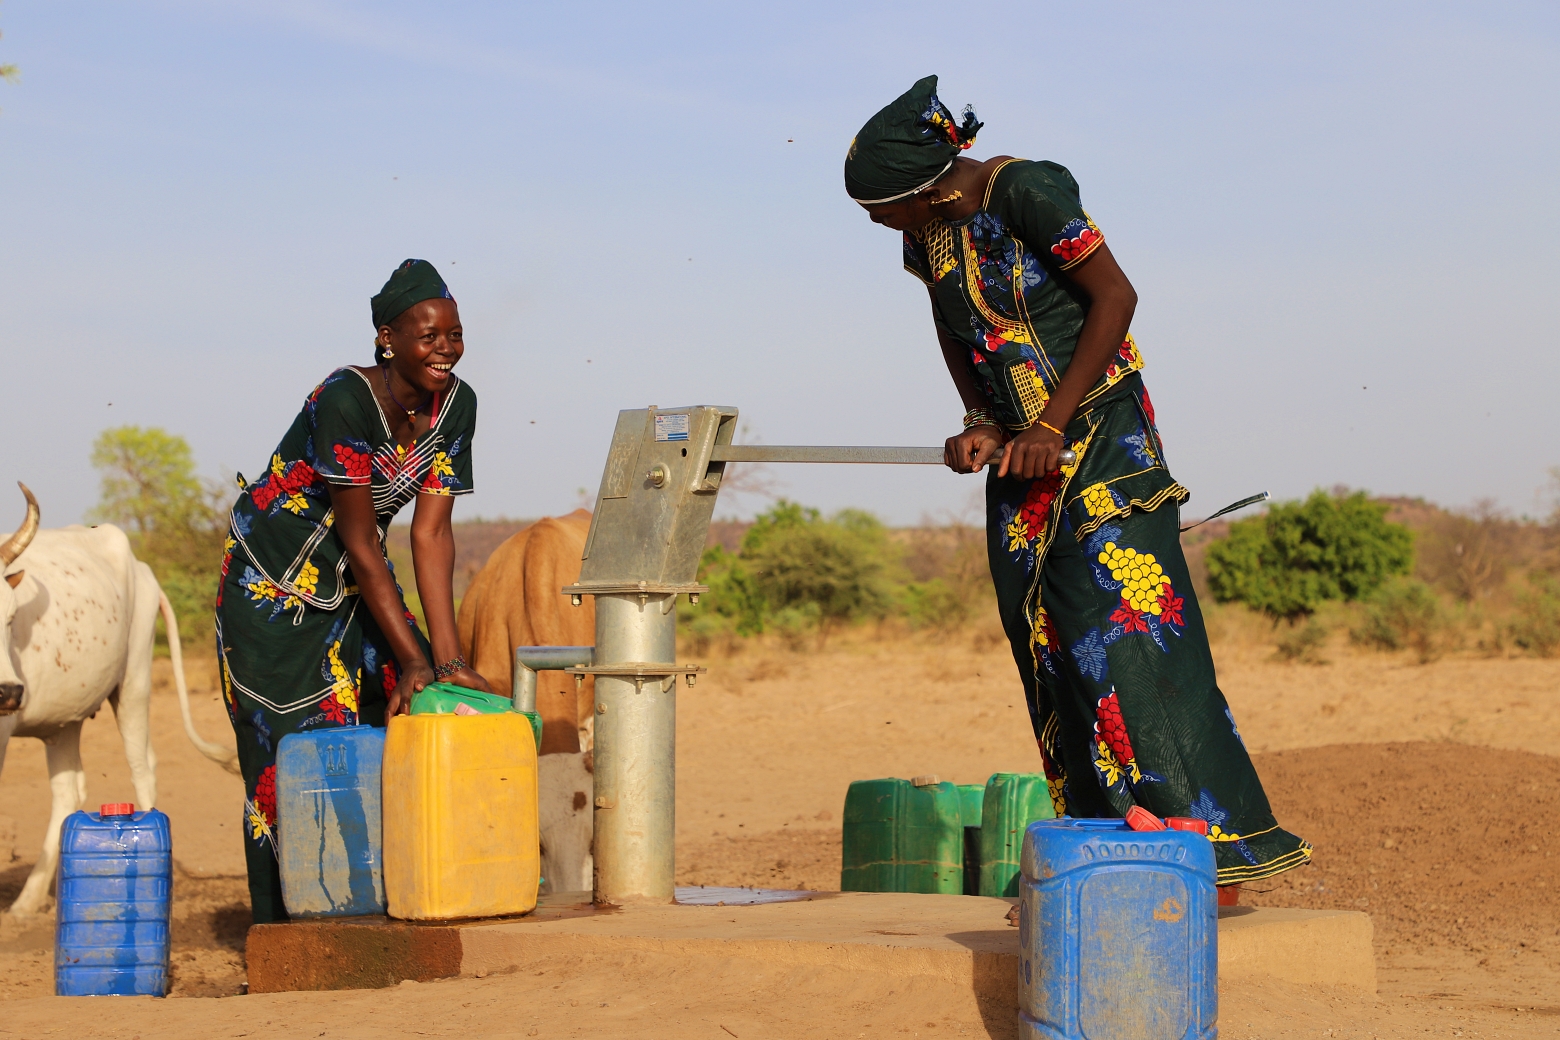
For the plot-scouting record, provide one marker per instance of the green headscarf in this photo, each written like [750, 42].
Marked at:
[907, 146]
[412, 283]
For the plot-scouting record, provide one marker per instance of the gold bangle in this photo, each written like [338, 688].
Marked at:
[1048, 426]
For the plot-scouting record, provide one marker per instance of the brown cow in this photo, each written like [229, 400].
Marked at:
[515, 600]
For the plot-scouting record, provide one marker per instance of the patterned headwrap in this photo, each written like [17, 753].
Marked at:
[412, 283]
[906, 147]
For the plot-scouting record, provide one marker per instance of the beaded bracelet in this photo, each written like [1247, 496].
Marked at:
[450, 667]
[978, 417]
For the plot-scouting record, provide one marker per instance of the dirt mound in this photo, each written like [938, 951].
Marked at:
[1439, 843]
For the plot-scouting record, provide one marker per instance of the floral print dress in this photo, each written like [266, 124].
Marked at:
[296, 647]
[1092, 586]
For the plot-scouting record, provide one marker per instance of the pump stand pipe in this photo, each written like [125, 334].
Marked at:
[532, 659]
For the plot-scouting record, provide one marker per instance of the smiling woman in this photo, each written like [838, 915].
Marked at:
[312, 627]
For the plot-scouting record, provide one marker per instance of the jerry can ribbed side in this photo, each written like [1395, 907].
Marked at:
[1013, 801]
[898, 837]
[114, 889]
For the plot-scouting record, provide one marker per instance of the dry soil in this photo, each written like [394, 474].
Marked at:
[1429, 792]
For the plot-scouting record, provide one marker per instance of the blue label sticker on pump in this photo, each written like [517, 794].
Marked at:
[673, 427]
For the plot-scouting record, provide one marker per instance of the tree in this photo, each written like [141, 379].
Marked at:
[175, 521]
[10, 72]
[1299, 554]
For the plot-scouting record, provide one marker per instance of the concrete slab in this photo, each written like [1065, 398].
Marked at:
[961, 939]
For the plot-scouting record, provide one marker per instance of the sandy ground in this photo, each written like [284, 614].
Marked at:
[1426, 789]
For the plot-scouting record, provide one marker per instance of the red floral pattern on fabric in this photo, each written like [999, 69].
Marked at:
[1069, 249]
[1170, 608]
[334, 710]
[1148, 408]
[1110, 735]
[265, 795]
[355, 464]
[1129, 619]
[389, 676]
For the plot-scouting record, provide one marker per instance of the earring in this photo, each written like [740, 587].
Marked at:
[956, 196]
[384, 349]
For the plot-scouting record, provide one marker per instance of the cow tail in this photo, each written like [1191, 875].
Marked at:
[225, 757]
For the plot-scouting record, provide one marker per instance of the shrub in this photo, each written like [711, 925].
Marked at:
[843, 565]
[796, 573]
[1302, 643]
[1298, 555]
[1536, 626]
[1405, 614]
[934, 604]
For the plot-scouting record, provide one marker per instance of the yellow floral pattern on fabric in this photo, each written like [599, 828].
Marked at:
[308, 578]
[1143, 578]
[1098, 500]
[341, 684]
[263, 590]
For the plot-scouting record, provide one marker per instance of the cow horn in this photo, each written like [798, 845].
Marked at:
[19, 541]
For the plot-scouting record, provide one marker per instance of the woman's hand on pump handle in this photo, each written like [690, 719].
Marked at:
[969, 451]
[1033, 453]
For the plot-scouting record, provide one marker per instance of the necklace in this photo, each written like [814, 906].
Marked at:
[411, 413]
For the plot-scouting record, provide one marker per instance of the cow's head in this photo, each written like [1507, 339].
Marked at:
[11, 688]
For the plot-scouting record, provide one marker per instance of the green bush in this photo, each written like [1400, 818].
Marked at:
[1406, 614]
[934, 604]
[1536, 626]
[1298, 555]
[796, 572]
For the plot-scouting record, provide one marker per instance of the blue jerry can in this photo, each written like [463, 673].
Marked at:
[1118, 933]
[114, 887]
[328, 821]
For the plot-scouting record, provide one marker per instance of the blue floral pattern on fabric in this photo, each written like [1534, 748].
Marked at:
[1218, 818]
[1089, 652]
[1140, 448]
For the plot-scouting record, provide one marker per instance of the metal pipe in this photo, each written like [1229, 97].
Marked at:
[844, 453]
[635, 751]
[532, 659]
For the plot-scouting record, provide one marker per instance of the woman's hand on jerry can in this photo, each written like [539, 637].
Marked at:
[469, 678]
[1032, 454]
[967, 452]
[413, 678]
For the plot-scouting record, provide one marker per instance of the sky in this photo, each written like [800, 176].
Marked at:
[1340, 219]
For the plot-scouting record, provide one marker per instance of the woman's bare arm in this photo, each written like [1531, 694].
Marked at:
[433, 559]
[357, 527]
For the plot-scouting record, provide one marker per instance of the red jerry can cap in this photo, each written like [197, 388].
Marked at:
[1140, 819]
[116, 809]
[1187, 823]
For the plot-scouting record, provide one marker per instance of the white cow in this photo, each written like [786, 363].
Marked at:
[79, 613]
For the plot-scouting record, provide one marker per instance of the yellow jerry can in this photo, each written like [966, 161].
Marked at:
[460, 816]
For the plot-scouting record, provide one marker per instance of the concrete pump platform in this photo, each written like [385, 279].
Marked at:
[961, 939]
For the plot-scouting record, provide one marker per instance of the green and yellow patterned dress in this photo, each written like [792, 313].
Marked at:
[1091, 582]
[296, 647]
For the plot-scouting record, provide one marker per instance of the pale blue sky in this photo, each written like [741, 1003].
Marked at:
[1341, 220]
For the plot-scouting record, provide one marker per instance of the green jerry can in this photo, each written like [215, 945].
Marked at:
[445, 699]
[903, 836]
[972, 798]
[1013, 802]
